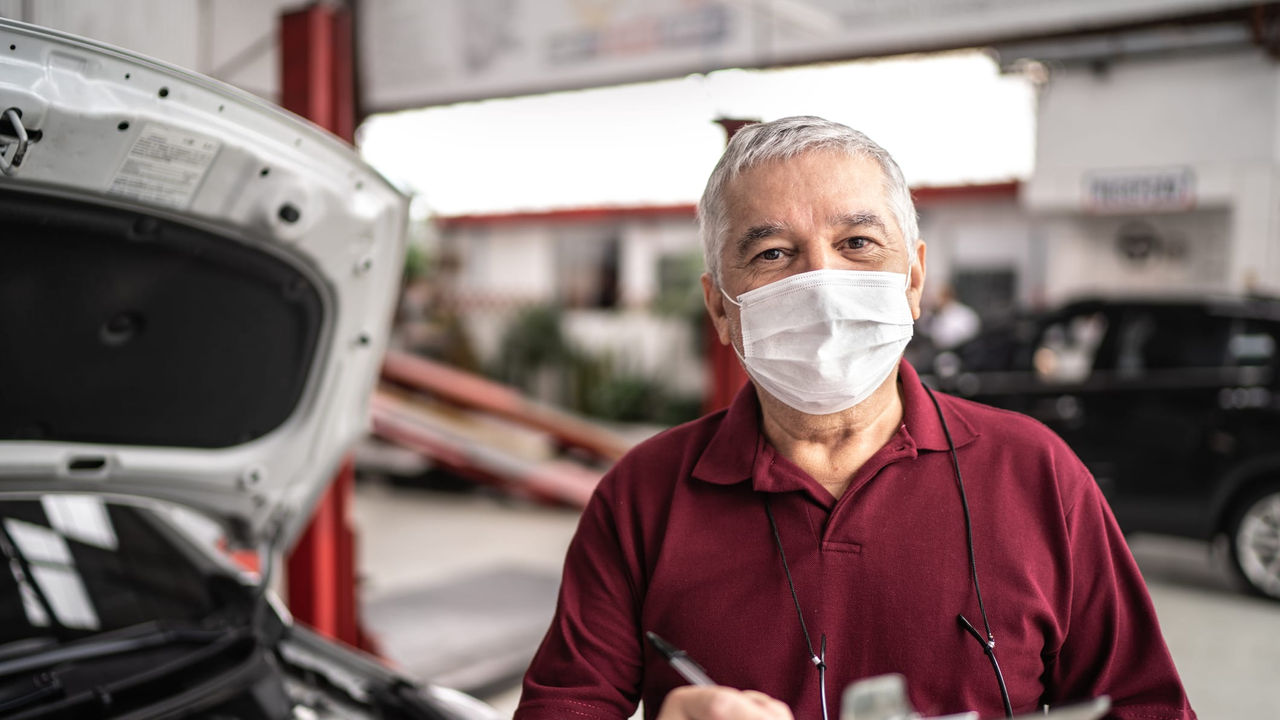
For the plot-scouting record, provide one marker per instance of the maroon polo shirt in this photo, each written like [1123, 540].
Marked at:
[676, 541]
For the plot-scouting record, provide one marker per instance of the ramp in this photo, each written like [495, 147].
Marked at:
[491, 433]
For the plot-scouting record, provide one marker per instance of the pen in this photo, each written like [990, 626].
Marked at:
[680, 661]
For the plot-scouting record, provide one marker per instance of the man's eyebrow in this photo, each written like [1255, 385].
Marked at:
[860, 218]
[759, 232]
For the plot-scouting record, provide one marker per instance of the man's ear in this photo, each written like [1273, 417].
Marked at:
[714, 300]
[915, 288]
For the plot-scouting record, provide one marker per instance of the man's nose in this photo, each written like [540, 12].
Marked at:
[817, 256]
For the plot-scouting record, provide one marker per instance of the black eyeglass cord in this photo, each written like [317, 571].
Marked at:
[989, 644]
[819, 660]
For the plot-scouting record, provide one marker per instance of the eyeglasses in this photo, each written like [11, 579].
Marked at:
[989, 647]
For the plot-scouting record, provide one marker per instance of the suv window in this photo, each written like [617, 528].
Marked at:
[1067, 347]
[1169, 338]
[1184, 338]
[1251, 344]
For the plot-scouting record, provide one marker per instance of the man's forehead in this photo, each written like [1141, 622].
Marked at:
[813, 170]
[852, 192]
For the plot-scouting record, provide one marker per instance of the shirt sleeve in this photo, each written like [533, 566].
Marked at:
[1113, 645]
[590, 662]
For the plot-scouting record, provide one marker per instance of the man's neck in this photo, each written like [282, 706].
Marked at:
[832, 448]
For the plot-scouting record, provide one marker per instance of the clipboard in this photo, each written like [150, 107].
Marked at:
[884, 697]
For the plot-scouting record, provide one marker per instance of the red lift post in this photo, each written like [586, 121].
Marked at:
[317, 65]
[726, 373]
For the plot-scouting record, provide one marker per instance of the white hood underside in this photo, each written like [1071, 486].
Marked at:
[198, 287]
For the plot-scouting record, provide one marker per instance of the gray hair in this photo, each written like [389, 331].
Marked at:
[786, 138]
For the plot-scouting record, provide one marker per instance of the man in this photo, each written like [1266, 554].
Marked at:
[835, 523]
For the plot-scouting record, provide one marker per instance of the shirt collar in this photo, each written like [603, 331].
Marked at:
[738, 446]
[731, 454]
[921, 419]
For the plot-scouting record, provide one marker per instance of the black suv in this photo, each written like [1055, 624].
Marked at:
[1174, 405]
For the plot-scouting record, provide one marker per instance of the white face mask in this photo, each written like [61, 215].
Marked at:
[823, 341]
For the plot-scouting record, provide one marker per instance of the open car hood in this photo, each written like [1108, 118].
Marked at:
[196, 286]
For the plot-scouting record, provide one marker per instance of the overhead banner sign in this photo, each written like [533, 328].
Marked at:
[415, 53]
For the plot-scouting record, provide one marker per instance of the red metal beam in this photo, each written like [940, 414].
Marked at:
[318, 67]
[321, 565]
[980, 191]
[725, 374]
[316, 82]
[410, 425]
[477, 393]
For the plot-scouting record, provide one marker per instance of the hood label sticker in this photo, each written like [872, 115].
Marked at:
[164, 166]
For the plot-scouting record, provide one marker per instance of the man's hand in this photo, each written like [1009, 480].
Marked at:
[691, 702]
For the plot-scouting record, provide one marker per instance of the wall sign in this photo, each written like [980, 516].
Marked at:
[1137, 191]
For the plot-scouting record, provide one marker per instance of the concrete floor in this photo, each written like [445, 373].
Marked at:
[460, 589]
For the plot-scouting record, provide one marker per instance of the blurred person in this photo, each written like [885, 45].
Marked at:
[1066, 352]
[952, 323]
[839, 521]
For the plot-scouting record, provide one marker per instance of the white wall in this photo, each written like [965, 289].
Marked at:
[1203, 110]
[1213, 113]
[505, 265]
[644, 243]
[977, 234]
[1083, 259]
[643, 344]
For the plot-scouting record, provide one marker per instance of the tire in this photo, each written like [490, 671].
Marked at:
[1254, 538]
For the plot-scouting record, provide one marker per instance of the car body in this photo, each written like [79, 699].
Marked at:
[1172, 403]
[196, 293]
[123, 607]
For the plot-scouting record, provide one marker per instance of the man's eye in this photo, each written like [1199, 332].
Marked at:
[771, 254]
[856, 243]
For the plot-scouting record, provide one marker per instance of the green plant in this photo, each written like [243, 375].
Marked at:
[532, 341]
[536, 357]
[417, 262]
